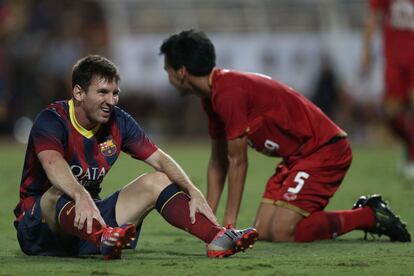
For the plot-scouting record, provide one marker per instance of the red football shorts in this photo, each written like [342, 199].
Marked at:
[399, 80]
[306, 185]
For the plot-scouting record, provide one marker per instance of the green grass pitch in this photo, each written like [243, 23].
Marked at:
[164, 250]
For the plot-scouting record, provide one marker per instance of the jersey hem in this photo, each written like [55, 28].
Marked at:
[286, 205]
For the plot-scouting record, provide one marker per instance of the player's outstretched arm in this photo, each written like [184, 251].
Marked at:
[237, 154]
[164, 163]
[60, 175]
[216, 172]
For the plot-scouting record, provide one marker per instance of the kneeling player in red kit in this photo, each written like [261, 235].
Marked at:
[252, 109]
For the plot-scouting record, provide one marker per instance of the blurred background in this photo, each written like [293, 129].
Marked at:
[312, 45]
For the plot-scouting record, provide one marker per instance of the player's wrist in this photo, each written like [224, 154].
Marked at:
[194, 192]
[80, 194]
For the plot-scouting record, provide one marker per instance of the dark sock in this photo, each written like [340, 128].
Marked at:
[172, 204]
[327, 225]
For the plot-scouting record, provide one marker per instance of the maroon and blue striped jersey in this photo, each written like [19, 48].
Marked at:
[89, 153]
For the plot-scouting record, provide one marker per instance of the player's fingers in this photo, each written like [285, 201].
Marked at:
[99, 218]
[213, 219]
[89, 224]
[76, 220]
[209, 214]
[81, 221]
[192, 213]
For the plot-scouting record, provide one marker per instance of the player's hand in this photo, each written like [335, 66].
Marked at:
[199, 204]
[86, 210]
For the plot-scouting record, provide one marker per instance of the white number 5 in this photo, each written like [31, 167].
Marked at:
[300, 180]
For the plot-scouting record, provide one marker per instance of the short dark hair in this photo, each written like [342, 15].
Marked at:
[93, 65]
[192, 49]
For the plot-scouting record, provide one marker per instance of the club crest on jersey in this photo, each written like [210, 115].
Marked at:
[108, 148]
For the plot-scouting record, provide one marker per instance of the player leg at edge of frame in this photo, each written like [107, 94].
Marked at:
[370, 214]
[386, 222]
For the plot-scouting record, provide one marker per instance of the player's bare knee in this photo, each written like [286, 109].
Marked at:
[48, 206]
[156, 179]
[264, 234]
[263, 230]
[50, 197]
[160, 178]
[153, 182]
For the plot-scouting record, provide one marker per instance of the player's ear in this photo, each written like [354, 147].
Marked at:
[77, 92]
[182, 73]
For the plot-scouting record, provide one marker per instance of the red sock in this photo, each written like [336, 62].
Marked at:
[410, 152]
[66, 219]
[327, 225]
[400, 126]
[410, 141]
[403, 127]
[177, 212]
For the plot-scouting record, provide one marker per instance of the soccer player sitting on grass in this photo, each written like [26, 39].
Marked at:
[72, 146]
[252, 109]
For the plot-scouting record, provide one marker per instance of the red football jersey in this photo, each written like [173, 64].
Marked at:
[278, 120]
[398, 27]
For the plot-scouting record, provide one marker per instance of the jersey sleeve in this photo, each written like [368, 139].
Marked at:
[378, 5]
[134, 140]
[231, 106]
[215, 125]
[49, 132]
